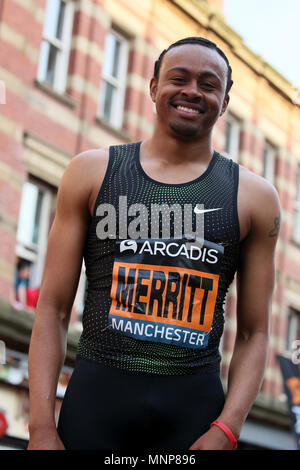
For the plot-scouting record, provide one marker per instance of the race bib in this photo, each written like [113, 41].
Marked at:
[165, 290]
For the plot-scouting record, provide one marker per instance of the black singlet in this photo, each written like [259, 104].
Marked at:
[155, 303]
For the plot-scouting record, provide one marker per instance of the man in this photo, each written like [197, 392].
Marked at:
[23, 296]
[22, 275]
[147, 371]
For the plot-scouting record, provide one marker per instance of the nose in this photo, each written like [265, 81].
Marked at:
[191, 89]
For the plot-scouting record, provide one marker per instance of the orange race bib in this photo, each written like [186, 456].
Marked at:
[165, 290]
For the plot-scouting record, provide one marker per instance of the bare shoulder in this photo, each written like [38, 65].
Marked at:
[89, 162]
[257, 185]
[84, 174]
[262, 199]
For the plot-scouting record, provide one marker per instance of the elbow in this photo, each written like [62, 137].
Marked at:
[46, 310]
[261, 336]
[64, 318]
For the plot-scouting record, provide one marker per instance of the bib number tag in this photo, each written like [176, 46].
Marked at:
[165, 290]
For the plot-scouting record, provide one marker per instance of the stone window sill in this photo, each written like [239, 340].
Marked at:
[117, 132]
[62, 97]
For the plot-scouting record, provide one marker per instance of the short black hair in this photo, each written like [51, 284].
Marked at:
[202, 42]
[23, 263]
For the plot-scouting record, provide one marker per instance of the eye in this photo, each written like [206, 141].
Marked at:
[207, 85]
[178, 79]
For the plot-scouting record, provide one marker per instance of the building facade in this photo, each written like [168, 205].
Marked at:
[74, 75]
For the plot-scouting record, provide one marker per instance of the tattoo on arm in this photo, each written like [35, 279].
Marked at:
[275, 230]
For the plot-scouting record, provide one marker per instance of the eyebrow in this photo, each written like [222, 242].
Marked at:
[203, 74]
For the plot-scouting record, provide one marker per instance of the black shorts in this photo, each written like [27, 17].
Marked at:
[106, 408]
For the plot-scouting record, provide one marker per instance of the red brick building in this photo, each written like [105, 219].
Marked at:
[74, 75]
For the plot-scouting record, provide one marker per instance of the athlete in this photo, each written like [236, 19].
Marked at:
[147, 369]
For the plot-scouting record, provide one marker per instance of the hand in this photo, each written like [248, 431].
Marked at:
[214, 439]
[45, 440]
[17, 305]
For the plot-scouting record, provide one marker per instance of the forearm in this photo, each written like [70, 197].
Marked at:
[245, 376]
[46, 357]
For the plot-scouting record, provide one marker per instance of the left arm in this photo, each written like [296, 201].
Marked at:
[255, 284]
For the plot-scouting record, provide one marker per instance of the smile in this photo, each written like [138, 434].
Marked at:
[188, 109]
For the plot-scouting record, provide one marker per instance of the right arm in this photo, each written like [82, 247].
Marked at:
[58, 288]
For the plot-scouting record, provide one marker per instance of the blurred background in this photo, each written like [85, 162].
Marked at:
[74, 75]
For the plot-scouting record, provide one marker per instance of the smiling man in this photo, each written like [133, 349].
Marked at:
[147, 371]
[192, 117]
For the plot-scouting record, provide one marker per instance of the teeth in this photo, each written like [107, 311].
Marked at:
[188, 110]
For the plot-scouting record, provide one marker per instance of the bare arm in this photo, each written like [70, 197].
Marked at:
[255, 283]
[58, 288]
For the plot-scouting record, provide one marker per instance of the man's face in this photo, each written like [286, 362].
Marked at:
[24, 273]
[190, 92]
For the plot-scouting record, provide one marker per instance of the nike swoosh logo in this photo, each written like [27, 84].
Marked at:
[202, 211]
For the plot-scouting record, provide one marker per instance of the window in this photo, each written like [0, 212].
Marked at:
[296, 226]
[292, 329]
[232, 137]
[269, 159]
[36, 210]
[55, 47]
[114, 77]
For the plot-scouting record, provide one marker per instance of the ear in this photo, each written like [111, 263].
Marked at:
[153, 89]
[225, 104]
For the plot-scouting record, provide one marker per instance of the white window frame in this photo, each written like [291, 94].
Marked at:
[292, 330]
[63, 46]
[232, 147]
[296, 221]
[34, 252]
[269, 160]
[119, 83]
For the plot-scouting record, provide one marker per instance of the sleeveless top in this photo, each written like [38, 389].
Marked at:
[159, 260]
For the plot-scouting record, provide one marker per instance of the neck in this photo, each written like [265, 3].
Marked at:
[169, 148]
